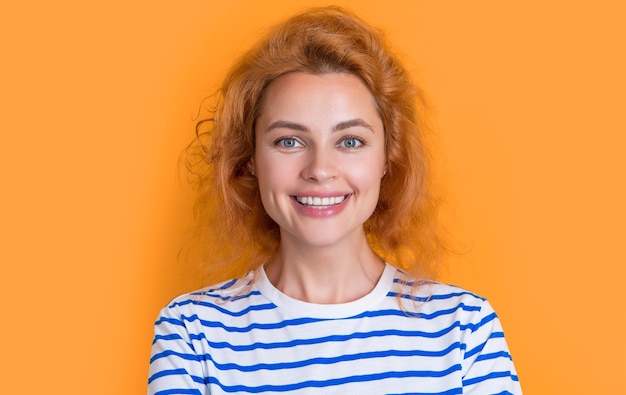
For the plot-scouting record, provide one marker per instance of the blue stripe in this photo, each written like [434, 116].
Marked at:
[333, 382]
[480, 347]
[304, 321]
[484, 321]
[223, 287]
[240, 297]
[172, 321]
[411, 283]
[179, 391]
[339, 338]
[166, 373]
[332, 338]
[432, 297]
[158, 338]
[330, 361]
[430, 316]
[220, 296]
[258, 307]
[494, 355]
[490, 376]
[173, 336]
[453, 391]
[167, 353]
[174, 372]
[235, 329]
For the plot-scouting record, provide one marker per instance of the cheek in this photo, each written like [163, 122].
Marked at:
[366, 170]
[274, 177]
[278, 171]
[365, 178]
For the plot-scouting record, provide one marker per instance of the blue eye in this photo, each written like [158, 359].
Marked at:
[351, 142]
[288, 142]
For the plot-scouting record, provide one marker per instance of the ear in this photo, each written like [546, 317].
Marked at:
[250, 166]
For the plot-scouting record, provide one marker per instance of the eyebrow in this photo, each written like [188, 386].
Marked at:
[352, 123]
[301, 128]
[287, 125]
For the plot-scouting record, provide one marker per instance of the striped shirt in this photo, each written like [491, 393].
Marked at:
[246, 337]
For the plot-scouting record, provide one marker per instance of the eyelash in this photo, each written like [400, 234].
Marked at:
[281, 142]
[359, 141]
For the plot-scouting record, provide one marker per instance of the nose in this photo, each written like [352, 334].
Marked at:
[321, 166]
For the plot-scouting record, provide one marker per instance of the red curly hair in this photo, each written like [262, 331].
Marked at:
[235, 232]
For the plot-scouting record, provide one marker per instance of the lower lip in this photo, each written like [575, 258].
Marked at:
[321, 212]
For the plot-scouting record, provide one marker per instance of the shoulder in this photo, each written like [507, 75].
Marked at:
[451, 312]
[432, 297]
[228, 296]
[429, 289]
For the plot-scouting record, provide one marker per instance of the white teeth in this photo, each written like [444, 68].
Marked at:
[320, 202]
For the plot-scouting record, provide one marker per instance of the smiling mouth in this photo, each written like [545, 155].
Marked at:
[320, 202]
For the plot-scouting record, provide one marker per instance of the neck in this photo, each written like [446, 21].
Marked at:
[330, 274]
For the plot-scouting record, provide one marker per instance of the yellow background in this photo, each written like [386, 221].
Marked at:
[97, 101]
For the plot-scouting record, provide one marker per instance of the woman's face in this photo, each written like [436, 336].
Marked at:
[319, 156]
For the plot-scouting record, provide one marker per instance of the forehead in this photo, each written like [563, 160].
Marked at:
[328, 96]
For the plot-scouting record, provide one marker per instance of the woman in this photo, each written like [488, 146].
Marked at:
[316, 176]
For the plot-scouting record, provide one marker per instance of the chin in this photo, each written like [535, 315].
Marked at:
[323, 238]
